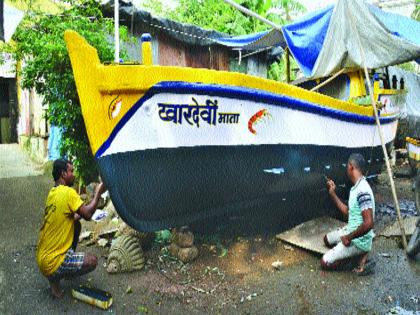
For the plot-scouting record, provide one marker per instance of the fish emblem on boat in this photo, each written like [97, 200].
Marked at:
[114, 107]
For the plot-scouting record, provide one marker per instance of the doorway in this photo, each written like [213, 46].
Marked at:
[8, 111]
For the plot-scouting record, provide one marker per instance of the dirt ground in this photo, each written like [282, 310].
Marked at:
[232, 275]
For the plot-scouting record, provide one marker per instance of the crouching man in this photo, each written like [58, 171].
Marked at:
[355, 239]
[56, 252]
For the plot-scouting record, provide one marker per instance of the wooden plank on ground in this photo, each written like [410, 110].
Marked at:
[409, 224]
[309, 235]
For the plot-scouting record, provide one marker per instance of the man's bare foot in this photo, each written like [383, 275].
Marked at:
[56, 290]
[366, 267]
[362, 261]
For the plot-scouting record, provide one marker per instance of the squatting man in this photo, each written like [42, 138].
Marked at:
[355, 239]
[56, 254]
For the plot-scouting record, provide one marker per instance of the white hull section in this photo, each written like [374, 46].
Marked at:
[168, 120]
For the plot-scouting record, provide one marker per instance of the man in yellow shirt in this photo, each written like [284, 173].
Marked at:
[56, 256]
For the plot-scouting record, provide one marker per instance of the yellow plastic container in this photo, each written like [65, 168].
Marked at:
[93, 296]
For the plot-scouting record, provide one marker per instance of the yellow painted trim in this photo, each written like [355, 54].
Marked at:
[413, 141]
[377, 91]
[390, 91]
[357, 84]
[146, 53]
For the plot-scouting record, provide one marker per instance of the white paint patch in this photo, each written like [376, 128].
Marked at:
[117, 109]
[146, 129]
[2, 282]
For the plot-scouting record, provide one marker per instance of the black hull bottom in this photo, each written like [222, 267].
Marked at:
[162, 188]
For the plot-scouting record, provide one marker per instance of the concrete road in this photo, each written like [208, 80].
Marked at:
[15, 163]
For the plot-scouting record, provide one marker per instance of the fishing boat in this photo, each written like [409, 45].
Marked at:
[175, 144]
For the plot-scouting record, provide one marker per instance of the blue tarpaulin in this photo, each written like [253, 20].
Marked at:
[306, 36]
[329, 39]
[241, 41]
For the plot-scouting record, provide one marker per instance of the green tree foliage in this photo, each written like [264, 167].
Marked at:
[220, 16]
[416, 13]
[39, 42]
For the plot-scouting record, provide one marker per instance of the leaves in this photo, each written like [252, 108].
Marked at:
[217, 15]
[39, 43]
[220, 16]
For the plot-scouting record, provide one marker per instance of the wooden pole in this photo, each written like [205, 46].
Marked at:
[251, 13]
[117, 31]
[378, 123]
[328, 80]
[287, 65]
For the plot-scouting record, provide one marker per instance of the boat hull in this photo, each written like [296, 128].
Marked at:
[175, 145]
[161, 188]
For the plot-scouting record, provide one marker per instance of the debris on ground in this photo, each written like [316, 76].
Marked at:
[277, 264]
[102, 242]
[385, 255]
[163, 237]
[248, 297]
[143, 309]
[84, 235]
[407, 208]
[98, 215]
[288, 247]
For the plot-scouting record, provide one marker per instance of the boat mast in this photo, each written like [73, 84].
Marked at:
[117, 31]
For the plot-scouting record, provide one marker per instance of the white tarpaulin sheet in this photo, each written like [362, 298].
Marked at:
[327, 40]
[387, 39]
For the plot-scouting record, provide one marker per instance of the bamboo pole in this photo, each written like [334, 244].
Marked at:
[253, 14]
[378, 123]
[328, 80]
[388, 166]
[117, 31]
[287, 65]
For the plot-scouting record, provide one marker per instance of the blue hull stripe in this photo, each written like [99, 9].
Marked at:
[241, 94]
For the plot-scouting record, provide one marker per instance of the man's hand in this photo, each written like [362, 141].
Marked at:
[330, 186]
[344, 209]
[76, 217]
[346, 240]
[86, 211]
[100, 189]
